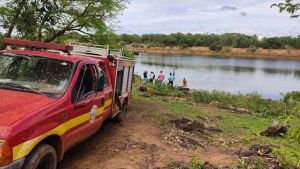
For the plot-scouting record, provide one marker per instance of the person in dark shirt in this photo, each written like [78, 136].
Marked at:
[145, 74]
[152, 77]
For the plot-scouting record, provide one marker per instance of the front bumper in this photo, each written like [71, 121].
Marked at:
[15, 165]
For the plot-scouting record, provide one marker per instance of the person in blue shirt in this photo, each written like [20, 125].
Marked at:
[171, 79]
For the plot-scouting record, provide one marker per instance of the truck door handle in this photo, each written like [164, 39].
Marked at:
[79, 106]
[103, 101]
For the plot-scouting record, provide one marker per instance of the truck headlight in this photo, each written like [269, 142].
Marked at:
[6, 155]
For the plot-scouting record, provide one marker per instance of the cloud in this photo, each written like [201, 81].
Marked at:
[206, 16]
[244, 14]
[228, 8]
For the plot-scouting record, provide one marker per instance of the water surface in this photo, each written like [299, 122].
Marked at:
[269, 78]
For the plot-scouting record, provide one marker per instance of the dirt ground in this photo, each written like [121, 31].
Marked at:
[139, 142]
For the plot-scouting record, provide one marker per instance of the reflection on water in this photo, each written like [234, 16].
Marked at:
[210, 67]
[295, 73]
[269, 78]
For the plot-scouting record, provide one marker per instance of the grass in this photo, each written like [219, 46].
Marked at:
[239, 126]
[243, 127]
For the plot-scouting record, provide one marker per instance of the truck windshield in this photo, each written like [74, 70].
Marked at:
[34, 74]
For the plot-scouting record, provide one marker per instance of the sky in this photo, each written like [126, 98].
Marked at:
[206, 16]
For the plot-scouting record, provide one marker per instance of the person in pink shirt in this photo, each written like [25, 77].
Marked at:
[161, 77]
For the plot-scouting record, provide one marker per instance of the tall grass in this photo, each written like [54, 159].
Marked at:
[166, 90]
[252, 102]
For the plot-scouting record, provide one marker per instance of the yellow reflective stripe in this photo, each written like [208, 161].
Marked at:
[108, 103]
[25, 148]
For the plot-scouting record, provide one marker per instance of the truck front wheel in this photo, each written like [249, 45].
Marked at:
[42, 157]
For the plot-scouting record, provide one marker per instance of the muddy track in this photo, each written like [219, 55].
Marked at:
[136, 143]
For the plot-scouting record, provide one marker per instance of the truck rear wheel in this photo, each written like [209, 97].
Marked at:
[42, 157]
[121, 115]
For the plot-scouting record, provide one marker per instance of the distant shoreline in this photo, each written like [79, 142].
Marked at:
[280, 54]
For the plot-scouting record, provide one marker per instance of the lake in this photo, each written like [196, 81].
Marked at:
[268, 78]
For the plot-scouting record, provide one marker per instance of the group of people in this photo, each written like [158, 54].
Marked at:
[161, 78]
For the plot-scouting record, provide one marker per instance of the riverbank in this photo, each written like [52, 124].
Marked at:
[229, 52]
[239, 120]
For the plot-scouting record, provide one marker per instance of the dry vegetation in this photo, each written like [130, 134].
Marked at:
[232, 52]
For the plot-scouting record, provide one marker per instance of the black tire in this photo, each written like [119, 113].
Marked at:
[121, 115]
[42, 157]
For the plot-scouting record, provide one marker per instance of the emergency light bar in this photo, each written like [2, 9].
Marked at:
[38, 45]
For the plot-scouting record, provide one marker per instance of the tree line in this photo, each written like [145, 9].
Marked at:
[88, 21]
[235, 40]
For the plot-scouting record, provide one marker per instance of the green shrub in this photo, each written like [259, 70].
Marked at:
[195, 164]
[121, 44]
[226, 49]
[154, 44]
[252, 48]
[292, 102]
[166, 90]
[215, 47]
[137, 45]
[128, 53]
[293, 97]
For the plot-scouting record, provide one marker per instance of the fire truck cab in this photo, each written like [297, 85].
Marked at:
[54, 96]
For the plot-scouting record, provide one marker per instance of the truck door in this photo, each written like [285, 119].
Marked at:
[87, 104]
[107, 92]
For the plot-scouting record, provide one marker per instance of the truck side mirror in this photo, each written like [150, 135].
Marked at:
[112, 60]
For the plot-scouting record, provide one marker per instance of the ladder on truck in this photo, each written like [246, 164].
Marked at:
[87, 49]
[95, 50]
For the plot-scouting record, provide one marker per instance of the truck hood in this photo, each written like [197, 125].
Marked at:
[14, 105]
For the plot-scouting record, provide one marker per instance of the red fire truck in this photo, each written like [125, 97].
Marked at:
[54, 96]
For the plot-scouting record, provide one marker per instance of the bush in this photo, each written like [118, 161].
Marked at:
[292, 97]
[215, 47]
[226, 49]
[128, 53]
[252, 49]
[184, 46]
[195, 164]
[154, 44]
[166, 90]
[288, 48]
[137, 45]
[121, 44]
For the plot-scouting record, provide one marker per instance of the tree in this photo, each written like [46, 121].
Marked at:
[215, 47]
[233, 40]
[272, 43]
[10, 14]
[47, 20]
[289, 6]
